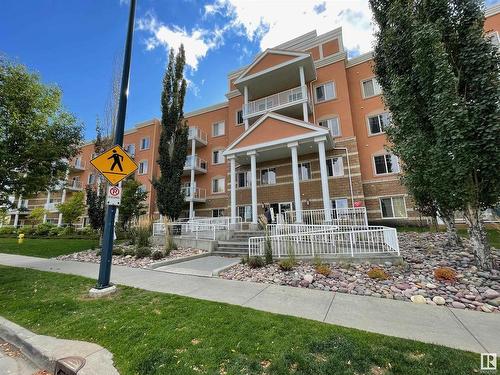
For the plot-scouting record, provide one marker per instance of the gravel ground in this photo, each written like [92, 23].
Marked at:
[129, 260]
[411, 280]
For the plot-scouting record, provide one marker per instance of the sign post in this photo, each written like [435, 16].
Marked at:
[109, 221]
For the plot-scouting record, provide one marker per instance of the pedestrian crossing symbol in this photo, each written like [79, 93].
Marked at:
[114, 164]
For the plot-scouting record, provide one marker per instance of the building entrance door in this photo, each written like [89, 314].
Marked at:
[279, 209]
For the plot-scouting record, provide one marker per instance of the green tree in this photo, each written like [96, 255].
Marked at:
[96, 206]
[36, 215]
[440, 80]
[37, 135]
[132, 202]
[173, 139]
[73, 208]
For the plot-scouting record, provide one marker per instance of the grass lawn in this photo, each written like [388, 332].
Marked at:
[493, 234]
[45, 248]
[152, 333]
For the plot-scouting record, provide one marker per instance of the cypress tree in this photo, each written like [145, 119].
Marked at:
[172, 149]
[440, 81]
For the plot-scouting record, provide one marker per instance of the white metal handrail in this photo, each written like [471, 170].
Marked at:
[292, 96]
[197, 133]
[202, 228]
[333, 241]
[353, 216]
[194, 192]
[195, 162]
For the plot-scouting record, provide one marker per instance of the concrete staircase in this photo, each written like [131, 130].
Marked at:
[237, 246]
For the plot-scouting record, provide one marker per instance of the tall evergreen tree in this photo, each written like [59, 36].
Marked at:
[96, 206]
[440, 81]
[173, 138]
[132, 203]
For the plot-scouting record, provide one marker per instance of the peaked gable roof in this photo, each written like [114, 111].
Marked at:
[274, 129]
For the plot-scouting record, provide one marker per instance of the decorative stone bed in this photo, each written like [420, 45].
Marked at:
[92, 256]
[411, 280]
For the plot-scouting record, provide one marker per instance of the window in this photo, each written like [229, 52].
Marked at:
[385, 164]
[304, 171]
[218, 129]
[371, 88]
[245, 212]
[217, 212]
[335, 166]
[143, 167]
[268, 176]
[340, 203]
[217, 157]
[142, 189]
[239, 117]
[494, 38]
[393, 207]
[91, 179]
[378, 123]
[131, 149]
[218, 185]
[325, 92]
[145, 143]
[244, 179]
[332, 124]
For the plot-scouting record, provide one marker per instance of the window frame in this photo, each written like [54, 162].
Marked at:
[90, 177]
[329, 161]
[143, 162]
[223, 128]
[237, 117]
[218, 178]
[299, 166]
[373, 79]
[148, 145]
[244, 207]
[334, 89]
[391, 197]
[333, 117]
[382, 127]
[267, 170]
[221, 157]
[247, 178]
[219, 210]
[385, 160]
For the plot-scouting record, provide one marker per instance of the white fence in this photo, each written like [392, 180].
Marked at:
[329, 241]
[199, 228]
[295, 95]
[355, 216]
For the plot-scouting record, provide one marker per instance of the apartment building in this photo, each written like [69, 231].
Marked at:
[303, 128]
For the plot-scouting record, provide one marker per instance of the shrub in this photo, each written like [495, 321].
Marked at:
[323, 269]
[128, 251]
[122, 234]
[256, 262]
[98, 252]
[287, 264]
[56, 231]
[445, 274]
[378, 273]
[157, 255]
[117, 250]
[142, 233]
[142, 252]
[27, 230]
[244, 260]
[8, 229]
[268, 249]
[44, 229]
[87, 231]
[170, 245]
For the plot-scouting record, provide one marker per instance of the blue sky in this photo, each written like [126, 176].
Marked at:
[74, 43]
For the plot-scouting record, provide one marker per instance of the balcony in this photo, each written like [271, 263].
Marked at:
[52, 206]
[77, 165]
[198, 164]
[199, 136]
[194, 194]
[287, 102]
[75, 185]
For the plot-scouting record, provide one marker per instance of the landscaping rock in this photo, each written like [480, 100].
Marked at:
[418, 299]
[309, 278]
[458, 305]
[490, 294]
[438, 300]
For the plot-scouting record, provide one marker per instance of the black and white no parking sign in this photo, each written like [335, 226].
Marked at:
[114, 195]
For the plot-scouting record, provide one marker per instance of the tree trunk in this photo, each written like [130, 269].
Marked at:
[453, 240]
[477, 235]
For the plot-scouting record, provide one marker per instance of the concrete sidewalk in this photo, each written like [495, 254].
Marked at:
[206, 266]
[462, 329]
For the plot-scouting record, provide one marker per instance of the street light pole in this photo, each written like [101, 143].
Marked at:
[109, 222]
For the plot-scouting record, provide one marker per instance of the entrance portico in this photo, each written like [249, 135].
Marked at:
[275, 137]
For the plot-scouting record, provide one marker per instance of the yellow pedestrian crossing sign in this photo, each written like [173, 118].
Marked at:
[114, 164]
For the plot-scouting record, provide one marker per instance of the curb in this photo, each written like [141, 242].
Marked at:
[177, 260]
[44, 351]
[215, 273]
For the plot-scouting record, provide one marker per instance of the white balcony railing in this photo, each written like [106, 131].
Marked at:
[196, 163]
[275, 101]
[75, 185]
[194, 193]
[78, 164]
[198, 134]
[52, 206]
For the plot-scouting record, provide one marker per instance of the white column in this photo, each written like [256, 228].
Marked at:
[324, 178]
[245, 98]
[232, 162]
[296, 182]
[16, 217]
[47, 202]
[253, 166]
[63, 199]
[191, 184]
[302, 84]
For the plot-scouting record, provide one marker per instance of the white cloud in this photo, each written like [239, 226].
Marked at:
[193, 87]
[276, 21]
[197, 42]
